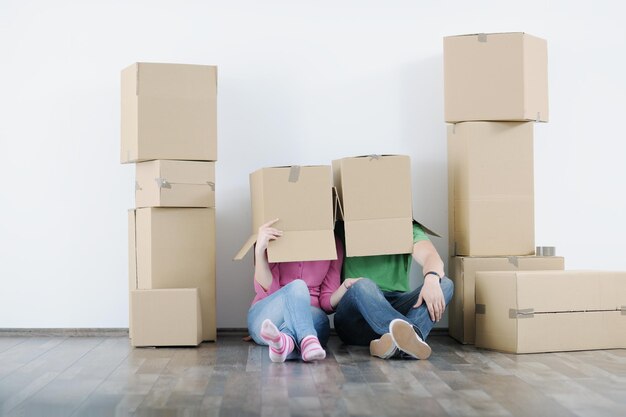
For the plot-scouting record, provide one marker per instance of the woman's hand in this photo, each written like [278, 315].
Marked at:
[348, 282]
[341, 291]
[265, 234]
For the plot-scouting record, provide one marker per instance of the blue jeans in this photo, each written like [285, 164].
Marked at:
[364, 312]
[291, 311]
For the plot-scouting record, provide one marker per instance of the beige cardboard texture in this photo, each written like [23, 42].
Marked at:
[132, 266]
[164, 183]
[175, 248]
[169, 111]
[169, 317]
[301, 197]
[544, 311]
[375, 196]
[463, 273]
[499, 76]
[491, 189]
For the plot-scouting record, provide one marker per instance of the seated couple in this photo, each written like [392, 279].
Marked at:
[373, 305]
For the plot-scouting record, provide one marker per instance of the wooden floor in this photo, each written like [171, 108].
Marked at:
[91, 376]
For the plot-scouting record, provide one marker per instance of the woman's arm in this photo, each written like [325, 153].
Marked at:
[262, 272]
[332, 290]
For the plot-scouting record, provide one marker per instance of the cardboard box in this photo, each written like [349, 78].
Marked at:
[375, 195]
[175, 248]
[132, 268]
[463, 271]
[163, 183]
[498, 76]
[301, 197]
[491, 189]
[166, 317]
[169, 111]
[550, 311]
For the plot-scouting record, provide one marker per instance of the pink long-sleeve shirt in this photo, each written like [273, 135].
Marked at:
[322, 278]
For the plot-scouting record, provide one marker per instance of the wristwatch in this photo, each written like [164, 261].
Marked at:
[432, 273]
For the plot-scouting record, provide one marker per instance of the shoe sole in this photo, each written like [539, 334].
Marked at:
[384, 347]
[407, 340]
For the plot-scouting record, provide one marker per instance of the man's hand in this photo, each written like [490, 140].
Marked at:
[432, 295]
[265, 234]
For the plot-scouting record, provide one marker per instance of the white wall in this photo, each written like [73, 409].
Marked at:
[299, 83]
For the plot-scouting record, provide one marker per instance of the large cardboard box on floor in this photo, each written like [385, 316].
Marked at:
[550, 311]
[375, 196]
[491, 189]
[168, 317]
[463, 271]
[164, 183]
[169, 111]
[175, 248]
[496, 76]
[301, 197]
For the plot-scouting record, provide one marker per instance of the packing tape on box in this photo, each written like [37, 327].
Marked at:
[513, 261]
[524, 313]
[163, 183]
[374, 157]
[545, 251]
[294, 173]
[482, 37]
[481, 309]
[211, 184]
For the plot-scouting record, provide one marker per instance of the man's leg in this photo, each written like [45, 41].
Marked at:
[363, 314]
[419, 317]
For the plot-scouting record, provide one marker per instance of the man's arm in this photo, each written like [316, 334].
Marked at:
[425, 254]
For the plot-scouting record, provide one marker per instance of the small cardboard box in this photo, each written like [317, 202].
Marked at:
[463, 273]
[491, 189]
[496, 76]
[375, 195]
[301, 197]
[175, 248]
[169, 111]
[166, 317]
[550, 311]
[163, 183]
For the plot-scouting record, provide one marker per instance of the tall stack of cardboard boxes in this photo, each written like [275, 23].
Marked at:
[169, 130]
[505, 297]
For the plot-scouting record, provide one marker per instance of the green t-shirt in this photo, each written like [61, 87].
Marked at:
[389, 272]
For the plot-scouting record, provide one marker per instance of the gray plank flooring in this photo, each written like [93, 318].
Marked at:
[104, 376]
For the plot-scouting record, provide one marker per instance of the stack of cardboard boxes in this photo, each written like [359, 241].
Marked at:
[495, 87]
[169, 129]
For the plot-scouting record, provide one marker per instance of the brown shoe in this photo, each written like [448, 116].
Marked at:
[384, 347]
[407, 339]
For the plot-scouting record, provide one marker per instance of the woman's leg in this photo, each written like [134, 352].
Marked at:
[265, 318]
[299, 319]
[321, 324]
[289, 309]
[297, 310]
